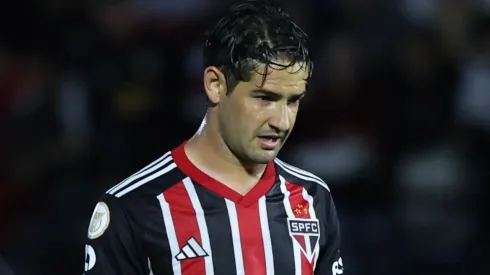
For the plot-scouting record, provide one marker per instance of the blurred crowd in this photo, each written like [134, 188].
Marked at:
[396, 121]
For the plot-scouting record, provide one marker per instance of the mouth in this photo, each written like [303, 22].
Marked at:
[269, 142]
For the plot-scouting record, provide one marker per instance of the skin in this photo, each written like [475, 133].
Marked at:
[227, 145]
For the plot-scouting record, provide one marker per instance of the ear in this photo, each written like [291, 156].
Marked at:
[214, 84]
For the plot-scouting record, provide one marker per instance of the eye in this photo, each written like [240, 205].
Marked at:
[265, 98]
[295, 100]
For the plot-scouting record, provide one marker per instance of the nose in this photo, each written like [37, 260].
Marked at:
[280, 120]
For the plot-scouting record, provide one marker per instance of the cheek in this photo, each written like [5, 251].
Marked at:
[240, 116]
[262, 113]
[253, 110]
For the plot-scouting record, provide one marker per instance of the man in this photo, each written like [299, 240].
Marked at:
[221, 203]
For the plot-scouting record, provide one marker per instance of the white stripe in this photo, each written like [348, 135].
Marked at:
[171, 235]
[235, 234]
[302, 176]
[289, 211]
[188, 252]
[149, 267]
[299, 170]
[135, 177]
[266, 235]
[147, 179]
[308, 248]
[181, 256]
[201, 222]
[311, 210]
[194, 245]
[137, 173]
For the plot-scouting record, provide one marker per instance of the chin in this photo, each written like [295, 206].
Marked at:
[264, 157]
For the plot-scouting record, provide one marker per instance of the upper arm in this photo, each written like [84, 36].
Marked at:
[111, 247]
[330, 261]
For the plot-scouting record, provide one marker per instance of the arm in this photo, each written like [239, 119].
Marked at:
[329, 260]
[111, 248]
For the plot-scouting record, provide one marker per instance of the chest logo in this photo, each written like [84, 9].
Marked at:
[192, 249]
[306, 233]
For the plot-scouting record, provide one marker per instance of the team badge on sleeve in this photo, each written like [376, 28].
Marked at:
[100, 221]
[306, 233]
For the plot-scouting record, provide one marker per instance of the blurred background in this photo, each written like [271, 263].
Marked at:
[397, 121]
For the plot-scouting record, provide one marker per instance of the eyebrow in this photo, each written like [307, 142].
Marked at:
[263, 91]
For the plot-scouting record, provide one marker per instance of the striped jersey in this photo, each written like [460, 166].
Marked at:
[172, 218]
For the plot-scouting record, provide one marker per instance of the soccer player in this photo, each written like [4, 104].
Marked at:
[222, 203]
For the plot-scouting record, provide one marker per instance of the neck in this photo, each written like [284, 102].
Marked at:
[207, 150]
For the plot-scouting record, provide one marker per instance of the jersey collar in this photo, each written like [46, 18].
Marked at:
[260, 189]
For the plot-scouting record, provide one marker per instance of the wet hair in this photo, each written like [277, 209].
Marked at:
[251, 34]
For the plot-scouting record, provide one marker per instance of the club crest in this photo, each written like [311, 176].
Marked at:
[306, 233]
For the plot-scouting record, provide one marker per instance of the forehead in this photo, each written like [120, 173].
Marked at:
[279, 78]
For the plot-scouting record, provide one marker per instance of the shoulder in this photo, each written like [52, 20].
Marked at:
[315, 187]
[300, 176]
[150, 180]
[136, 197]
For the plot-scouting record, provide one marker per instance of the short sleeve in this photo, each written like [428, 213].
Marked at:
[111, 247]
[330, 260]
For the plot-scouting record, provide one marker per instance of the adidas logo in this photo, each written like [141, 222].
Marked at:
[192, 249]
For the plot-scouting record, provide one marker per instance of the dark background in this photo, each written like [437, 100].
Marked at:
[396, 121]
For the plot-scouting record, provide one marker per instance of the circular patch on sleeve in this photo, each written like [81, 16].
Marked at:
[100, 221]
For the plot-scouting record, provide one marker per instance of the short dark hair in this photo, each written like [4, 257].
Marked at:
[251, 32]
